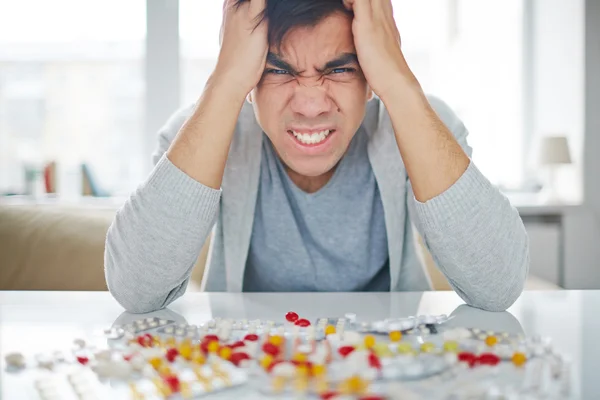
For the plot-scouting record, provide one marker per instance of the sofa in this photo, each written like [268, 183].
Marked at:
[61, 247]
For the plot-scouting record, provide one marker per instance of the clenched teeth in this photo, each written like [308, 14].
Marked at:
[313, 138]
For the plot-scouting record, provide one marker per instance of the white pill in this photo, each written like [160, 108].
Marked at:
[104, 355]
[137, 362]
[123, 369]
[179, 332]
[149, 319]
[162, 322]
[169, 330]
[142, 327]
[15, 360]
[153, 324]
[284, 369]
[102, 369]
[45, 363]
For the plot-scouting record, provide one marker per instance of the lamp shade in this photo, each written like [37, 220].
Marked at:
[554, 150]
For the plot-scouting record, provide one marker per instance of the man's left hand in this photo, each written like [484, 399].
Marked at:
[377, 43]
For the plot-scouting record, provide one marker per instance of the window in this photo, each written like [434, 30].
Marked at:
[71, 88]
[199, 25]
[467, 52]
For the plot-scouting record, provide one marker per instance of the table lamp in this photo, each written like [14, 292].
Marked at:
[554, 152]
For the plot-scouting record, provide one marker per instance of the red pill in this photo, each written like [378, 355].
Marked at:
[172, 354]
[210, 338]
[251, 337]
[83, 360]
[374, 361]
[345, 350]
[173, 382]
[271, 349]
[488, 359]
[237, 344]
[328, 395]
[291, 316]
[302, 322]
[238, 357]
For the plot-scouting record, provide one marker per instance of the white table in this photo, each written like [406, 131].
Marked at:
[37, 322]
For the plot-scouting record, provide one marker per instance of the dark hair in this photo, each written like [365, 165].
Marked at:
[283, 15]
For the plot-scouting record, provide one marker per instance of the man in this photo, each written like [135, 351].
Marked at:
[314, 183]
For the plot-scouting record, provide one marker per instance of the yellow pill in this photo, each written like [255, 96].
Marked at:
[519, 359]
[302, 369]
[329, 330]
[225, 353]
[164, 370]
[395, 336]
[369, 341]
[300, 357]
[491, 341]
[427, 347]
[404, 348]
[382, 349]
[319, 370]
[155, 362]
[266, 361]
[185, 351]
[276, 340]
[451, 346]
[355, 385]
[198, 357]
[213, 346]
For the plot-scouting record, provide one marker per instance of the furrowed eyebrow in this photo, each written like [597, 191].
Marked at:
[344, 59]
[277, 62]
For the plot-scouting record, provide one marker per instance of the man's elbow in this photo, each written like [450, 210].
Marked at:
[504, 292]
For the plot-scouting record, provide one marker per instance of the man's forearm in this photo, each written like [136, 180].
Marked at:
[201, 147]
[434, 160]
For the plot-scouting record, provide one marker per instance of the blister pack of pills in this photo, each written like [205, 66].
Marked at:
[140, 325]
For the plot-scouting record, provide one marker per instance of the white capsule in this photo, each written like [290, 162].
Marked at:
[162, 322]
[15, 360]
[153, 324]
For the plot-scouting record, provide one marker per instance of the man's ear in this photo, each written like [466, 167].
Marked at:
[370, 95]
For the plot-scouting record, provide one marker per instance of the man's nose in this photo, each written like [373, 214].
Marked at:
[311, 100]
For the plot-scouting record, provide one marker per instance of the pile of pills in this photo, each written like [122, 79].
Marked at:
[328, 358]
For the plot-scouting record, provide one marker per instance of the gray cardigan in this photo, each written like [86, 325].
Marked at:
[475, 236]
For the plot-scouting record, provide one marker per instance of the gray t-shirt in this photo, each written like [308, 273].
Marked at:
[331, 240]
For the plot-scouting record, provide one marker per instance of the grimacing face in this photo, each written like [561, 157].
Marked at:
[312, 97]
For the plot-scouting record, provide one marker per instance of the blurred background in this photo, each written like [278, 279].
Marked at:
[85, 85]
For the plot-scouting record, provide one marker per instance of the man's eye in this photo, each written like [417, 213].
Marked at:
[277, 71]
[341, 70]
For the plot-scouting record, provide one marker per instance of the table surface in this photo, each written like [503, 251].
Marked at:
[41, 322]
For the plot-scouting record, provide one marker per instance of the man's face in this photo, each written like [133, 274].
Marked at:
[312, 97]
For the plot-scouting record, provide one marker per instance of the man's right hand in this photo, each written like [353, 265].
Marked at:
[244, 44]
